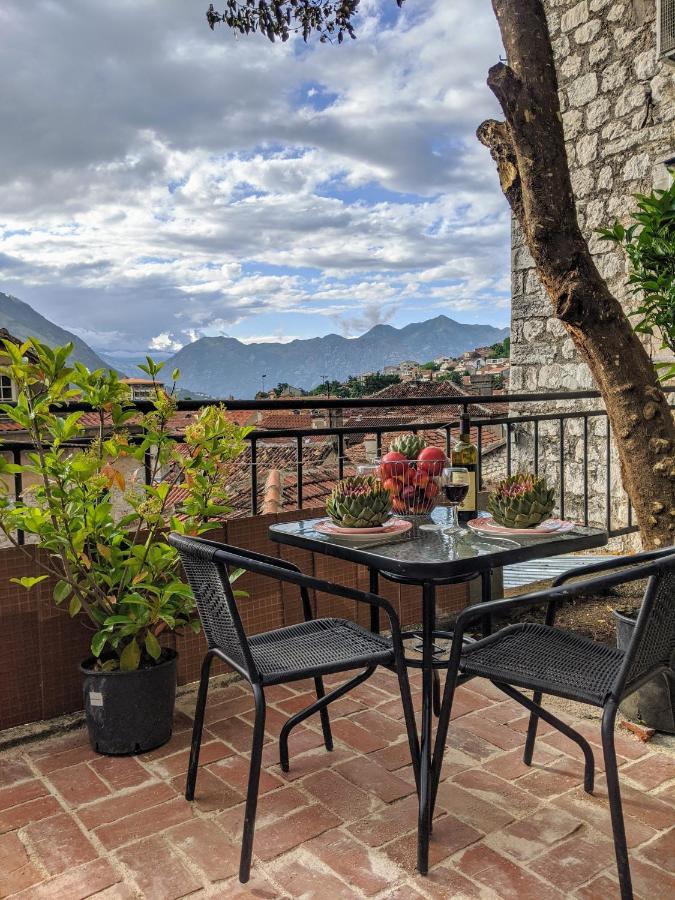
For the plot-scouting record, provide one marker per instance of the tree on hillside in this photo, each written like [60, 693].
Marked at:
[501, 349]
[529, 150]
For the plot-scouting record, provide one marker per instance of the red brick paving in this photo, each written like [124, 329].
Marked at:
[341, 825]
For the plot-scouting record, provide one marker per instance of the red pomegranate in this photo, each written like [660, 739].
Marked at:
[431, 460]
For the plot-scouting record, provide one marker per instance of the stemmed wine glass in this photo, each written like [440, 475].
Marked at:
[454, 481]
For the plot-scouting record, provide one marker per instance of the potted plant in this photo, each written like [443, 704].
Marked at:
[101, 489]
[653, 703]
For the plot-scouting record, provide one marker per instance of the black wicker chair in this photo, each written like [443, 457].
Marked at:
[546, 660]
[311, 649]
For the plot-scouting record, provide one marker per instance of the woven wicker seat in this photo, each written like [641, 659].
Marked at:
[310, 649]
[546, 660]
[542, 658]
[317, 647]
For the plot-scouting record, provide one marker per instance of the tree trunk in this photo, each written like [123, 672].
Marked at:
[529, 149]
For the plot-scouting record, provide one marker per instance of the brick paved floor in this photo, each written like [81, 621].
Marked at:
[339, 825]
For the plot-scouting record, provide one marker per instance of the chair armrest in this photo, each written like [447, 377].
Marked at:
[620, 562]
[555, 594]
[292, 575]
[250, 554]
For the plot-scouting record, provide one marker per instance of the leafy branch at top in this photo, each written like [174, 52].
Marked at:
[649, 243]
[330, 19]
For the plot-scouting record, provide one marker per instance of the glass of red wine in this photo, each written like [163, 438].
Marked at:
[454, 483]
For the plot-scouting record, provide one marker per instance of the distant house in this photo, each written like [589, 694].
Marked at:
[291, 391]
[143, 389]
[8, 390]
[391, 370]
[364, 376]
[409, 370]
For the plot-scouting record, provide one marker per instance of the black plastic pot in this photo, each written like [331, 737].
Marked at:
[130, 712]
[654, 702]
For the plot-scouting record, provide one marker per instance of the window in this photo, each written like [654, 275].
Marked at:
[6, 388]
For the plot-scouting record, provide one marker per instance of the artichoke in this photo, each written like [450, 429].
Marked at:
[359, 502]
[410, 445]
[521, 501]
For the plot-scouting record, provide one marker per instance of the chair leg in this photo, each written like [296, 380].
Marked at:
[253, 784]
[320, 705]
[437, 693]
[531, 731]
[323, 712]
[563, 728]
[198, 727]
[614, 795]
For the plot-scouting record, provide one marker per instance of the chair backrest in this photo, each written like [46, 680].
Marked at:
[215, 600]
[653, 643]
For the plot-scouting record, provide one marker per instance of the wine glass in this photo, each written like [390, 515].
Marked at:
[454, 482]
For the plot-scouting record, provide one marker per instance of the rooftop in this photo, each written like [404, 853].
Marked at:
[339, 825]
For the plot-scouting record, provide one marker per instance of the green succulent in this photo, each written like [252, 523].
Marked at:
[521, 501]
[409, 445]
[359, 502]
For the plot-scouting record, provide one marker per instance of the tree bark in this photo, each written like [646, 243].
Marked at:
[529, 149]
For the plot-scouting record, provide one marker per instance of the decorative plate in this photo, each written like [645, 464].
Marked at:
[487, 525]
[392, 528]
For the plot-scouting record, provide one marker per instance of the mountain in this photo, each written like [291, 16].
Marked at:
[22, 321]
[225, 367]
[128, 360]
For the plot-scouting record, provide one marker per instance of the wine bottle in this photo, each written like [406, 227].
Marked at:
[465, 454]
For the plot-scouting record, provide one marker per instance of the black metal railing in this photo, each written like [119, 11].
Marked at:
[522, 438]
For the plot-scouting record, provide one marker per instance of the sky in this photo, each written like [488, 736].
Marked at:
[160, 182]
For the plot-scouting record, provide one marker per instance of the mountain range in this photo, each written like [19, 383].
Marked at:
[226, 367]
[22, 321]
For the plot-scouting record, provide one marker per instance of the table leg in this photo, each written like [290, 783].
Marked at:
[424, 828]
[374, 610]
[485, 597]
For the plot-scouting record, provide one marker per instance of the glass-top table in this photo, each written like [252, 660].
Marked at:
[430, 558]
[421, 555]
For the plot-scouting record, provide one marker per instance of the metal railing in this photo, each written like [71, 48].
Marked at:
[521, 433]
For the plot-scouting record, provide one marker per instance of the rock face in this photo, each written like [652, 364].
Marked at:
[618, 107]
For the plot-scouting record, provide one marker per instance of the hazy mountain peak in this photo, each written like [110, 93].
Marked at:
[22, 321]
[224, 367]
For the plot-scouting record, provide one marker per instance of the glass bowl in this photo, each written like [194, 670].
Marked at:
[415, 485]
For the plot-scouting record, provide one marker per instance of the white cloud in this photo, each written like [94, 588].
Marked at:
[165, 341]
[161, 182]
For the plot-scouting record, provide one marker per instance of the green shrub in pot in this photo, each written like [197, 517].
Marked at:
[100, 526]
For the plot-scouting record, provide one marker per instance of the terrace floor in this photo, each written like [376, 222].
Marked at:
[339, 825]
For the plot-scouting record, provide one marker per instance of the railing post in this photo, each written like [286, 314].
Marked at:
[561, 470]
[299, 470]
[18, 491]
[341, 456]
[586, 471]
[254, 477]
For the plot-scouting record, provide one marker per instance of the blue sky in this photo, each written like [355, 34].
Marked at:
[161, 182]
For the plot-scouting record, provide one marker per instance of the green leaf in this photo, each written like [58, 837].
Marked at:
[62, 591]
[28, 581]
[152, 645]
[98, 642]
[131, 657]
[74, 606]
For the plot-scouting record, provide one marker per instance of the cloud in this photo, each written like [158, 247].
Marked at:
[162, 182]
[165, 341]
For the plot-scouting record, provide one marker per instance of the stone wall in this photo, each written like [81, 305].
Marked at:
[618, 106]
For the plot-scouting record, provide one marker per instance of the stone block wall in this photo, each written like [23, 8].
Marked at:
[618, 106]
